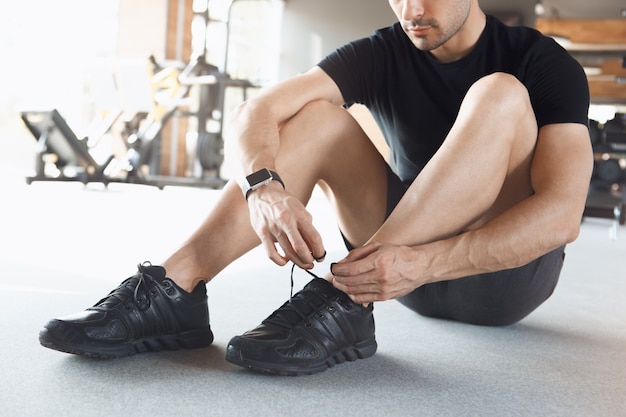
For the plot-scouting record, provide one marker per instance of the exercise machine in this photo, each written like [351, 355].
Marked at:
[207, 83]
[60, 155]
[607, 190]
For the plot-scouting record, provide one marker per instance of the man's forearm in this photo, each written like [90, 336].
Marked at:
[514, 238]
[256, 131]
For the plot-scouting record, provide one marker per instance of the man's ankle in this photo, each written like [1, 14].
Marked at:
[186, 278]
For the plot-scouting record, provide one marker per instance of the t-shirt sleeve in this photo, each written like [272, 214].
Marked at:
[558, 86]
[353, 68]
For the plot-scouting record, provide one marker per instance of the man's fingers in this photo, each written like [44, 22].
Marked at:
[303, 258]
[368, 292]
[314, 242]
[346, 268]
[269, 243]
[285, 225]
[304, 246]
[320, 258]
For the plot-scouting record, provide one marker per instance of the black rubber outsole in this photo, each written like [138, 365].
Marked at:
[151, 344]
[362, 350]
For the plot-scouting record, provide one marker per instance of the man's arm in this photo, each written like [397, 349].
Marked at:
[276, 215]
[560, 174]
[256, 122]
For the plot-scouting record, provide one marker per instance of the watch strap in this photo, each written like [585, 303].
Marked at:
[258, 179]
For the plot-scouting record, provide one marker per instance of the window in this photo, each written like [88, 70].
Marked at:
[242, 37]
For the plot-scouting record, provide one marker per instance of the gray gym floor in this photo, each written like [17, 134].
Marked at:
[65, 246]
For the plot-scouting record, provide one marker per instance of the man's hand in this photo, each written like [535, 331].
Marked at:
[377, 272]
[279, 217]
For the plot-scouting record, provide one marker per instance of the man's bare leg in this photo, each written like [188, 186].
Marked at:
[482, 168]
[322, 144]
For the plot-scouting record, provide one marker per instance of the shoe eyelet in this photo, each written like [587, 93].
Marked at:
[153, 293]
[169, 291]
[308, 324]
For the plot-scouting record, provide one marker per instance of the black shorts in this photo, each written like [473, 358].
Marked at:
[491, 299]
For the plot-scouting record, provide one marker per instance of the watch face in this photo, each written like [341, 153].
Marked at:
[259, 177]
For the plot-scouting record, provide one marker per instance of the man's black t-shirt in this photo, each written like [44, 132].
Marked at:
[415, 99]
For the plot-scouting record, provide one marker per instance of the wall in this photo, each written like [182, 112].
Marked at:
[312, 29]
[48, 55]
[141, 28]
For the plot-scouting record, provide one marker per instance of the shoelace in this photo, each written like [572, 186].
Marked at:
[140, 293]
[305, 302]
[143, 303]
[293, 267]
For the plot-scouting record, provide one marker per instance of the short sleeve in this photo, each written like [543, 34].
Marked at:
[557, 85]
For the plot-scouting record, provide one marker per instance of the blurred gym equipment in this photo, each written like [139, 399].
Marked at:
[62, 156]
[607, 191]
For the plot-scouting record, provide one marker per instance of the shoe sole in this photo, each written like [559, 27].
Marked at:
[193, 339]
[361, 350]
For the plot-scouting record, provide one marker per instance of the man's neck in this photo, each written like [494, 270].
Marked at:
[464, 41]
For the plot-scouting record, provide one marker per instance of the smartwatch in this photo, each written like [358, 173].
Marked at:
[258, 179]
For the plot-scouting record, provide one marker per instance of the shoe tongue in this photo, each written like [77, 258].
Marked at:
[322, 287]
[155, 271]
[113, 298]
[305, 302]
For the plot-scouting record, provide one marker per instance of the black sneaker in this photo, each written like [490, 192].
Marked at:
[317, 329]
[147, 312]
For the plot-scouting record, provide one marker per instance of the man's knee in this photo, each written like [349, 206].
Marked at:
[502, 94]
[502, 85]
[323, 119]
[318, 132]
[499, 104]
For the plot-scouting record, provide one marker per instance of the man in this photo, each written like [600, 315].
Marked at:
[491, 164]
